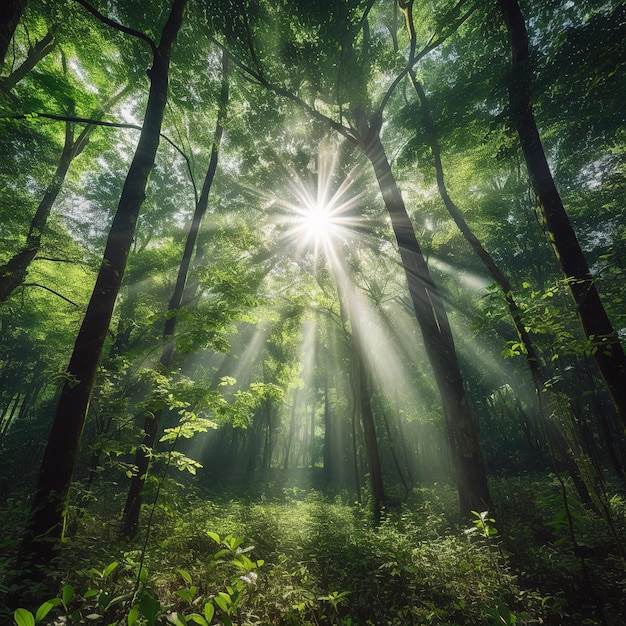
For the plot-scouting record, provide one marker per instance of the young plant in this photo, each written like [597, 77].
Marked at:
[483, 525]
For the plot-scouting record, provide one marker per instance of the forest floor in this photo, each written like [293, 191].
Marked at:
[269, 554]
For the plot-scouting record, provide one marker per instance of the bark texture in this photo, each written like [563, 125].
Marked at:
[609, 353]
[433, 320]
[47, 516]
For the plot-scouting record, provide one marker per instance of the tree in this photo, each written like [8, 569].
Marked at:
[46, 521]
[153, 417]
[607, 349]
[9, 18]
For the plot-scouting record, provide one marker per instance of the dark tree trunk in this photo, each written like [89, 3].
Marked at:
[152, 419]
[292, 430]
[433, 320]
[10, 15]
[369, 435]
[394, 456]
[609, 353]
[363, 402]
[47, 516]
[550, 428]
[13, 272]
[42, 48]
[327, 452]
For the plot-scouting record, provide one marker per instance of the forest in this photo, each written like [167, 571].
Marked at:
[313, 312]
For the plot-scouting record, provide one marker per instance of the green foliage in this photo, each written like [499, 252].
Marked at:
[323, 562]
[483, 524]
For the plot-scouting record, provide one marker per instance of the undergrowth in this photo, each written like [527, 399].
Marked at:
[302, 559]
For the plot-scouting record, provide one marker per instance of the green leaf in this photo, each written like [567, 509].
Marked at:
[66, 594]
[45, 608]
[23, 617]
[133, 616]
[185, 575]
[109, 568]
[209, 611]
[177, 619]
[214, 536]
[198, 619]
[223, 601]
[149, 606]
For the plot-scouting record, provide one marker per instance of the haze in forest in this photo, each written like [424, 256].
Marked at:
[312, 312]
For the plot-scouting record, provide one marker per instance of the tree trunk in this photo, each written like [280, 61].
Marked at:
[48, 511]
[41, 49]
[152, 419]
[10, 15]
[433, 320]
[13, 272]
[550, 428]
[327, 451]
[292, 430]
[369, 435]
[608, 351]
[363, 402]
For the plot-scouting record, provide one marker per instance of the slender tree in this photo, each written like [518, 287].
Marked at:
[362, 389]
[14, 271]
[47, 516]
[153, 418]
[607, 350]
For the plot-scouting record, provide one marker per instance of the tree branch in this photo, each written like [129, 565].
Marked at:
[56, 293]
[113, 24]
[89, 121]
[429, 47]
[261, 80]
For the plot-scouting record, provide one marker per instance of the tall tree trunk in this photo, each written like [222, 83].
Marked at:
[292, 430]
[608, 351]
[327, 451]
[363, 401]
[13, 272]
[10, 15]
[369, 434]
[466, 455]
[48, 510]
[152, 419]
[550, 428]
